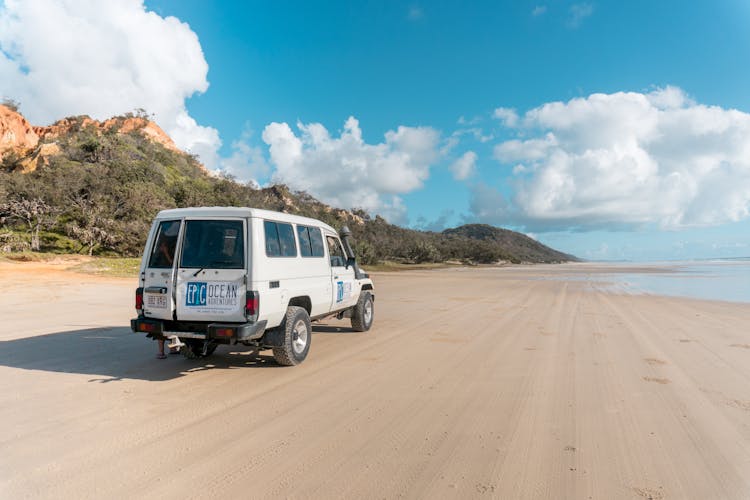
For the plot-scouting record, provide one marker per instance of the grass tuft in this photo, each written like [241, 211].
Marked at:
[118, 267]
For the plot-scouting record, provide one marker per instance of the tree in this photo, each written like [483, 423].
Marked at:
[92, 235]
[423, 251]
[365, 252]
[93, 220]
[11, 103]
[10, 161]
[35, 213]
[3, 186]
[143, 114]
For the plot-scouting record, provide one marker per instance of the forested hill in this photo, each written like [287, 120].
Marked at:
[519, 245]
[87, 186]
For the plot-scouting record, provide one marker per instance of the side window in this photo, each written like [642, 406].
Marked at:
[279, 239]
[304, 241]
[336, 252]
[273, 248]
[316, 242]
[310, 241]
[286, 239]
[162, 253]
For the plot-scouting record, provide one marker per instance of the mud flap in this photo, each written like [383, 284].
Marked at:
[273, 338]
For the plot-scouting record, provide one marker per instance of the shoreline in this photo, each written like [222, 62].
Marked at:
[612, 276]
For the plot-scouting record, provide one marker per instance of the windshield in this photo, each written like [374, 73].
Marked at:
[213, 244]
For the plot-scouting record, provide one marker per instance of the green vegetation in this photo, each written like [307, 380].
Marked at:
[99, 195]
[388, 266]
[121, 267]
[11, 104]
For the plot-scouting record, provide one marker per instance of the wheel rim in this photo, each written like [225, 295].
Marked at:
[368, 312]
[299, 337]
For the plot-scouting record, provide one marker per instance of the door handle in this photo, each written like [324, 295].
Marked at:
[335, 277]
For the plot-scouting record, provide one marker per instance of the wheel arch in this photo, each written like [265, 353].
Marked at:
[302, 301]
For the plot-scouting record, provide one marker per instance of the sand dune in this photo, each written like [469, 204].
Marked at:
[473, 383]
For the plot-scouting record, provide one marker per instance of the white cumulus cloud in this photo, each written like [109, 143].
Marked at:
[103, 58]
[507, 116]
[465, 166]
[247, 163]
[345, 171]
[624, 159]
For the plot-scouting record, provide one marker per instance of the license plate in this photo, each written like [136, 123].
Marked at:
[157, 301]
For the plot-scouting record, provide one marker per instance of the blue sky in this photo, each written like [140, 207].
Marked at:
[611, 130]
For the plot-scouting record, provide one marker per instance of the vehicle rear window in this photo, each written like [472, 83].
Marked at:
[213, 244]
[310, 241]
[162, 254]
[280, 240]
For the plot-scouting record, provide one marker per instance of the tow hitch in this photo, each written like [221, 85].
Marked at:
[174, 342]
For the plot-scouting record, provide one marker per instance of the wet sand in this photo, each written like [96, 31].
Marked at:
[473, 383]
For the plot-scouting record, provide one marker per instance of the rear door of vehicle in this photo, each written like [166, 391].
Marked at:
[158, 288]
[211, 277]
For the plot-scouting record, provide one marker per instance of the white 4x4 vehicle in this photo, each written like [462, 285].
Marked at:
[216, 275]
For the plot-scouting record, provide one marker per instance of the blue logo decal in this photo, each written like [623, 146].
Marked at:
[339, 291]
[196, 294]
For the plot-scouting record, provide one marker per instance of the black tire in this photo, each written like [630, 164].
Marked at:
[363, 313]
[297, 336]
[193, 349]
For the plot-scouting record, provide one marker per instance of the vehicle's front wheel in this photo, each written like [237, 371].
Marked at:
[297, 336]
[363, 313]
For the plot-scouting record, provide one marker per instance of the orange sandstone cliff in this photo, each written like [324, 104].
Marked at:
[31, 146]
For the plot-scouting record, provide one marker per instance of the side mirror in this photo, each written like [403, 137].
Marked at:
[350, 262]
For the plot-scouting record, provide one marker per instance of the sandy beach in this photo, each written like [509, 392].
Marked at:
[516, 382]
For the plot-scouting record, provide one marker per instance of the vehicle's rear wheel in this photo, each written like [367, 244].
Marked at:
[363, 313]
[193, 349]
[297, 336]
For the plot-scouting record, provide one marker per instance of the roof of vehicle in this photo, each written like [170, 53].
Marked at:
[241, 212]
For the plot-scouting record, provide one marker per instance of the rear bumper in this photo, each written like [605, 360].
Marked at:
[215, 331]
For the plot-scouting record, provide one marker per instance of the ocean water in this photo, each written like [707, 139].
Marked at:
[727, 280]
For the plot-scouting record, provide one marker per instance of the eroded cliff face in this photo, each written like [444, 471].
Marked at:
[123, 125]
[31, 146]
[16, 134]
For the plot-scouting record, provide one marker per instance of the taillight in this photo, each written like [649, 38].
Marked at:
[224, 332]
[148, 327]
[139, 300]
[252, 302]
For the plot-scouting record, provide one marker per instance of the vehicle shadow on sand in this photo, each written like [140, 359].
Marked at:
[110, 354]
[316, 328]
